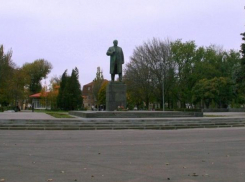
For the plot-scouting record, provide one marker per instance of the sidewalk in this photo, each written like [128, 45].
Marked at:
[25, 115]
[225, 114]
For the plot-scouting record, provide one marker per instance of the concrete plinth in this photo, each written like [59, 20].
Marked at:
[115, 95]
[135, 114]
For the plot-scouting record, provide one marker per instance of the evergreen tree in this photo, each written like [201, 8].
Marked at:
[239, 72]
[70, 94]
[61, 95]
[243, 51]
[241, 76]
[75, 93]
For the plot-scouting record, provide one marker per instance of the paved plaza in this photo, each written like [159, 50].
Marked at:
[210, 155]
[43, 116]
[25, 115]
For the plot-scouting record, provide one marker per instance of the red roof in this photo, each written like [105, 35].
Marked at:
[38, 95]
[91, 83]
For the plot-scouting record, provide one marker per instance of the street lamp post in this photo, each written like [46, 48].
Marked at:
[162, 69]
[163, 105]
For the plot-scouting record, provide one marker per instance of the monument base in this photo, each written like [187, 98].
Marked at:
[135, 114]
[115, 96]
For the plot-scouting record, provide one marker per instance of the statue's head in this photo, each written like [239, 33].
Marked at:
[115, 42]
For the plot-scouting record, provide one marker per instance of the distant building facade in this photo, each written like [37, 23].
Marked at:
[88, 98]
[88, 95]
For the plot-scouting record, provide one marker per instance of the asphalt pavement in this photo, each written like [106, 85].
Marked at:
[210, 155]
[25, 115]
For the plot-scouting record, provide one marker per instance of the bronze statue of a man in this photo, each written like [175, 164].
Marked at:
[116, 61]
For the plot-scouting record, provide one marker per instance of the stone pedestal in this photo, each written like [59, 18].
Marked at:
[115, 95]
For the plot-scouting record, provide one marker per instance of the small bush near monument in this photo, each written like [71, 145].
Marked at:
[59, 115]
[181, 109]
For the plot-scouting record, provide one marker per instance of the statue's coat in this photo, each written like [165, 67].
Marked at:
[117, 57]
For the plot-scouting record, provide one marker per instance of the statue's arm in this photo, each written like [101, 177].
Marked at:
[122, 57]
[110, 52]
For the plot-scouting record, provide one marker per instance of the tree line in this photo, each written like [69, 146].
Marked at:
[17, 83]
[171, 74]
[181, 74]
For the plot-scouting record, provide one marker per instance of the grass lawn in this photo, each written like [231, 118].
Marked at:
[56, 114]
[59, 115]
[213, 116]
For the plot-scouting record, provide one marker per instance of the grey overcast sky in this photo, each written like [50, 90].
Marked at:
[77, 33]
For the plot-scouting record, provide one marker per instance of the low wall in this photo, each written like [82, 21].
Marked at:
[135, 114]
[224, 110]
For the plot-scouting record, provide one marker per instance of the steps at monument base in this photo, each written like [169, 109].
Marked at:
[135, 114]
[120, 124]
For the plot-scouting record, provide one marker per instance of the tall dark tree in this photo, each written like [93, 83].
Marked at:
[243, 50]
[61, 96]
[239, 74]
[74, 91]
[7, 68]
[70, 94]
